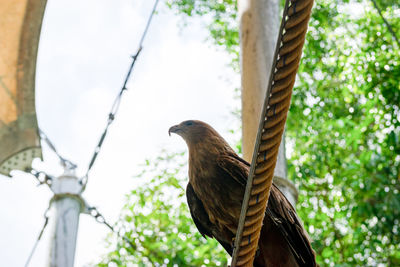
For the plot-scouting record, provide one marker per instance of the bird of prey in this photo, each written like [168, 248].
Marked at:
[217, 181]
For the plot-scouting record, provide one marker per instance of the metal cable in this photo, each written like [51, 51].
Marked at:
[46, 221]
[117, 101]
[272, 123]
[92, 211]
[42, 177]
[64, 162]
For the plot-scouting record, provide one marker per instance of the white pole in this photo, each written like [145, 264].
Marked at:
[66, 205]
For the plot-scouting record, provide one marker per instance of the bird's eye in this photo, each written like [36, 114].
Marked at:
[188, 123]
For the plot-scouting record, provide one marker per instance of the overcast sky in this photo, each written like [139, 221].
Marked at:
[84, 55]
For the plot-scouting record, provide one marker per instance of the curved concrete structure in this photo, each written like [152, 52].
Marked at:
[20, 24]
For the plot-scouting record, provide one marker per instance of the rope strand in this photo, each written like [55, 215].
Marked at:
[272, 122]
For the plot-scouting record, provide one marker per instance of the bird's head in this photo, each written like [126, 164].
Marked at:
[193, 131]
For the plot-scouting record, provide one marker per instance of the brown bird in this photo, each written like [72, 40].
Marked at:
[217, 181]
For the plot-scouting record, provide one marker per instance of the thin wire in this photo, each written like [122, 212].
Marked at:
[46, 221]
[64, 162]
[117, 101]
[100, 219]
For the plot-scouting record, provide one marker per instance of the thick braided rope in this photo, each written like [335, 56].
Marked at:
[273, 118]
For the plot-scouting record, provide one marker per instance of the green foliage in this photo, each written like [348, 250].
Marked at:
[157, 220]
[344, 127]
[344, 132]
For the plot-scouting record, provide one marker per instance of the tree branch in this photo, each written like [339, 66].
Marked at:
[386, 22]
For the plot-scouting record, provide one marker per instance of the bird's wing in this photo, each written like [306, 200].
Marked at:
[284, 217]
[236, 167]
[201, 219]
[199, 214]
[279, 210]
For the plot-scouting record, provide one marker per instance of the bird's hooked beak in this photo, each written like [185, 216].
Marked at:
[173, 129]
